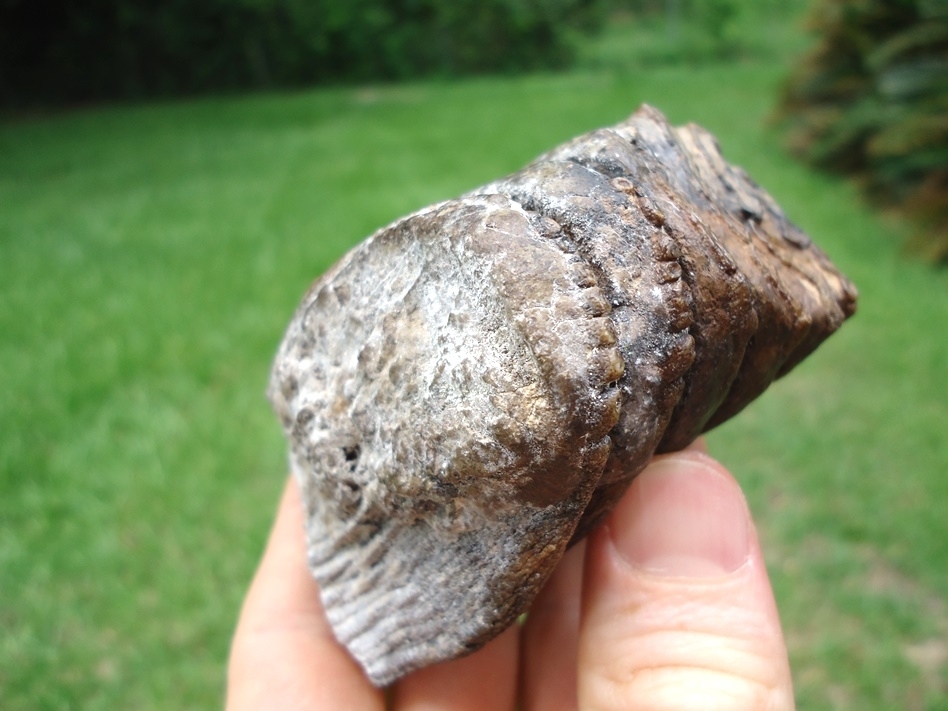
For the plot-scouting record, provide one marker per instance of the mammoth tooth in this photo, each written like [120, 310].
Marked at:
[474, 386]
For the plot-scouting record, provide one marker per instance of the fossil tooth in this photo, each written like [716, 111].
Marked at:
[474, 387]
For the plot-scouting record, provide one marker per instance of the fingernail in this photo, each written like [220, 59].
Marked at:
[683, 517]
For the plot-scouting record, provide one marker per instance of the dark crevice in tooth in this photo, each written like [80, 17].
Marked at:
[668, 351]
[561, 234]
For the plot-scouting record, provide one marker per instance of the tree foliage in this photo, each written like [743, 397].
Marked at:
[55, 50]
[871, 100]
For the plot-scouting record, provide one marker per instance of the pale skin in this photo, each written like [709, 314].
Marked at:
[665, 607]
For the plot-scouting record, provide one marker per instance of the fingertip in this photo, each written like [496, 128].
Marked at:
[699, 445]
[684, 515]
[677, 604]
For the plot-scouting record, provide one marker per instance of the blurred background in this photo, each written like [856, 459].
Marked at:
[174, 174]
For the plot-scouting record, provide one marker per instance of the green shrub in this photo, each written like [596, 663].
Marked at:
[872, 101]
[58, 51]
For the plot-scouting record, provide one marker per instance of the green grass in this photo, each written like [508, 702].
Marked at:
[151, 256]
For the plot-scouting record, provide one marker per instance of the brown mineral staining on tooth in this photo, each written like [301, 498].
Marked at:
[474, 386]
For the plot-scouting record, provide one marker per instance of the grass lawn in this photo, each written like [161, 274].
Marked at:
[151, 256]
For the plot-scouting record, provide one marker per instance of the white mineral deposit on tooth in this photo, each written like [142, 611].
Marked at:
[474, 386]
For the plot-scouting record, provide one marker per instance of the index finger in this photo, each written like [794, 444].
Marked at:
[284, 655]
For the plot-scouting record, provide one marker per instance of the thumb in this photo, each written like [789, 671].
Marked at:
[678, 613]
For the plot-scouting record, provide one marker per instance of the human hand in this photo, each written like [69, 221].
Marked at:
[665, 606]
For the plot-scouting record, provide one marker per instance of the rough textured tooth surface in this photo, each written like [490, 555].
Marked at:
[447, 426]
[475, 386]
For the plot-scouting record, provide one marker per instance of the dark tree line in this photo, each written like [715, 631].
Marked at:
[55, 51]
